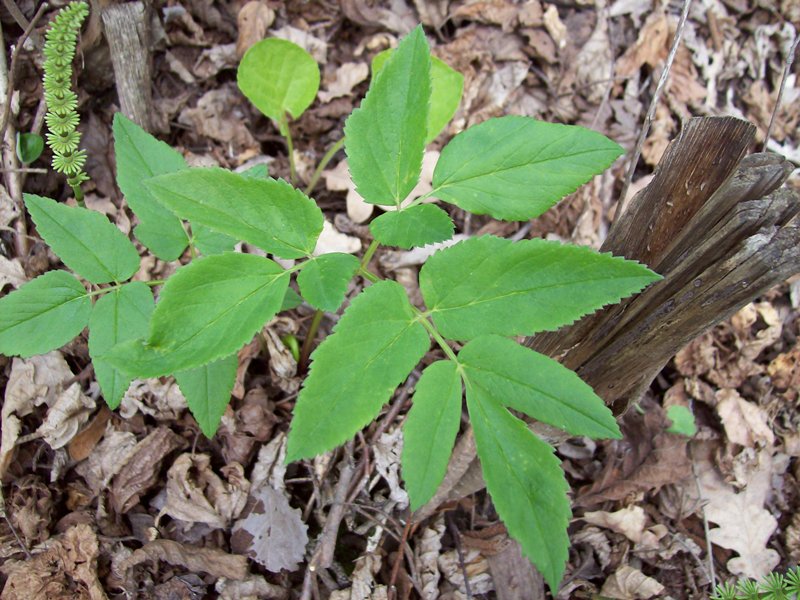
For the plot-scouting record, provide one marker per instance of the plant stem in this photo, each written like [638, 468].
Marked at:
[305, 351]
[328, 156]
[78, 195]
[431, 328]
[369, 254]
[283, 127]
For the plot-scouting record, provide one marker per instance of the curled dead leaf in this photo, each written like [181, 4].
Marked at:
[213, 561]
[628, 583]
[253, 21]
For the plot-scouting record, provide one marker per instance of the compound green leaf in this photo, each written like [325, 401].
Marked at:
[122, 314]
[139, 157]
[207, 310]
[29, 147]
[525, 480]
[430, 430]
[42, 315]
[291, 300]
[414, 226]
[385, 136]
[324, 279]
[268, 213]
[515, 376]
[85, 240]
[278, 77]
[493, 285]
[354, 371]
[207, 390]
[447, 85]
[515, 168]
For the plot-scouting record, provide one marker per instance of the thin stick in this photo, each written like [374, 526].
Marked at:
[787, 67]
[451, 526]
[13, 68]
[16, 13]
[709, 549]
[398, 560]
[283, 128]
[653, 106]
[323, 555]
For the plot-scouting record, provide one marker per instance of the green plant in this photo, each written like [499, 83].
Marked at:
[62, 103]
[479, 293]
[774, 586]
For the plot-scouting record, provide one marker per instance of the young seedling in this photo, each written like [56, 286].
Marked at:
[478, 294]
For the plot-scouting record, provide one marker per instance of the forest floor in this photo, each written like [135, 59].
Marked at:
[118, 504]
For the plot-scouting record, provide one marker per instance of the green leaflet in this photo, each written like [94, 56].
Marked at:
[324, 279]
[278, 76]
[515, 168]
[414, 226]
[515, 376]
[447, 86]
[385, 136]
[122, 314]
[354, 371]
[525, 480]
[29, 147]
[430, 430]
[493, 285]
[139, 157]
[42, 315]
[291, 300]
[682, 420]
[207, 310]
[207, 390]
[268, 213]
[210, 242]
[85, 240]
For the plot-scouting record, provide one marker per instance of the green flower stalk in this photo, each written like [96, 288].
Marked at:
[62, 103]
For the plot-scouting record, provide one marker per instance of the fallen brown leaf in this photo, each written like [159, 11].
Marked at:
[81, 446]
[141, 471]
[213, 561]
[253, 21]
[628, 583]
[66, 569]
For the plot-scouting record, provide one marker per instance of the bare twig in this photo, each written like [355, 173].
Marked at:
[451, 526]
[16, 13]
[323, 553]
[13, 68]
[787, 68]
[651, 111]
[709, 549]
[399, 559]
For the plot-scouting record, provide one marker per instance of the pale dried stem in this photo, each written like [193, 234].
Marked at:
[787, 68]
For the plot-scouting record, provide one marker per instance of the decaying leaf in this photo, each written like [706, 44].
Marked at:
[255, 587]
[476, 566]
[65, 417]
[282, 365]
[745, 422]
[196, 494]
[344, 80]
[628, 583]
[213, 561]
[66, 569]
[743, 524]
[253, 21]
[141, 471]
[387, 451]
[363, 581]
[107, 458]
[629, 521]
[426, 558]
[161, 400]
[29, 506]
[273, 533]
[11, 273]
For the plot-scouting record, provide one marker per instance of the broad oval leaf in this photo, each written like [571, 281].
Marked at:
[415, 226]
[140, 156]
[515, 168]
[516, 376]
[268, 213]
[278, 77]
[209, 242]
[207, 310]
[385, 136]
[42, 315]
[525, 480]
[324, 279]
[493, 285]
[122, 314]
[85, 240]
[29, 147]
[447, 85]
[207, 390]
[354, 371]
[429, 432]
